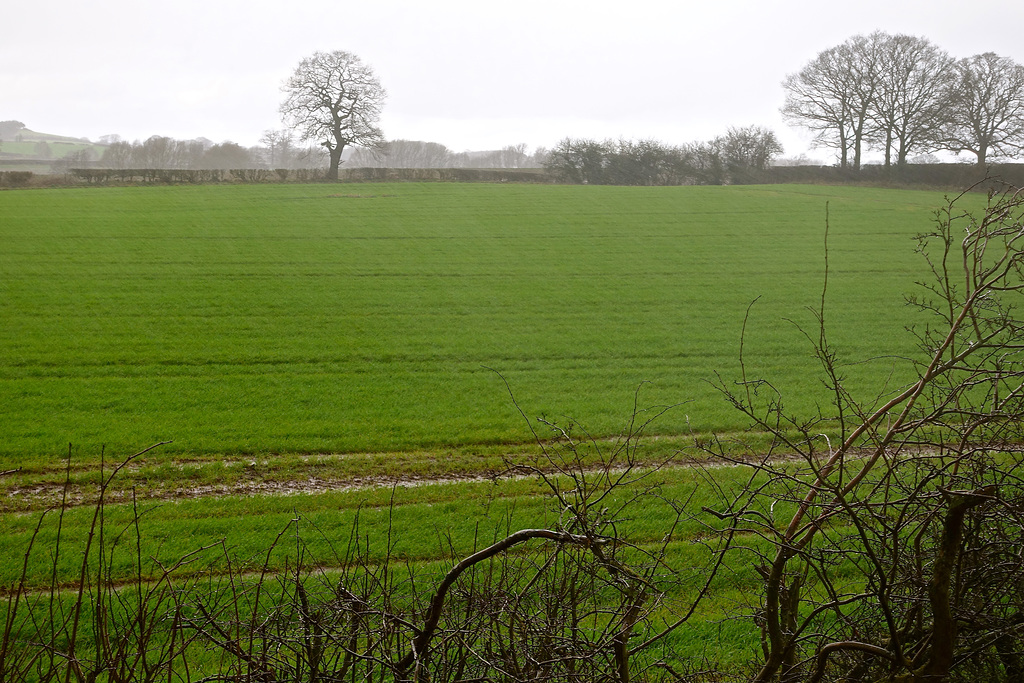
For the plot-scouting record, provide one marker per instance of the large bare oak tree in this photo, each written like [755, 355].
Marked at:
[987, 112]
[334, 99]
[833, 94]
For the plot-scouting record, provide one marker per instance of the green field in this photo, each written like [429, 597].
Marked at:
[291, 338]
[258, 320]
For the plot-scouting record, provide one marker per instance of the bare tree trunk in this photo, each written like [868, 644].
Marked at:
[335, 152]
[944, 627]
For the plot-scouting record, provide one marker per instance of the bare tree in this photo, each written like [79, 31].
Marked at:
[9, 129]
[280, 148]
[513, 156]
[749, 148]
[226, 155]
[404, 154]
[118, 155]
[832, 95]
[646, 162]
[335, 100]
[738, 156]
[156, 152]
[909, 108]
[191, 153]
[579, 160]
[986, 107]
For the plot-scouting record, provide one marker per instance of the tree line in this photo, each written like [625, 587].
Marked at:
[900, 94]
[897, 94]
[740, 155]
[279, 151]
[159, 152]
[334, 99]
[419, 154]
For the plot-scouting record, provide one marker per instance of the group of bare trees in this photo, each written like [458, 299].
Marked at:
[419, 154]
[903, 95]
[731, 158]
[159, 152]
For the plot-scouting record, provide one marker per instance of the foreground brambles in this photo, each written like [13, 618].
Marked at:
[577, 591]
[932, 516]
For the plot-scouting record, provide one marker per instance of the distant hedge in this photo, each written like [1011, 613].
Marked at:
[103, 176]
[926, 175]
[463, 175]
[15, 178]
[174, 176]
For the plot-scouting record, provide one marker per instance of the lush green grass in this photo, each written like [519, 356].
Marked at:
[284, 332]
[327, 318]
[423, 530]
[425, 520]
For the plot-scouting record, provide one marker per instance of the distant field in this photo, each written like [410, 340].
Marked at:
[16, 154]
[289, 319]
[57, 149]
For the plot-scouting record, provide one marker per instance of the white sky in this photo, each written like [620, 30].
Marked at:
[468, 74]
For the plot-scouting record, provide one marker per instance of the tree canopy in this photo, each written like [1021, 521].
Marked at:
[335, 100]
[903, 95]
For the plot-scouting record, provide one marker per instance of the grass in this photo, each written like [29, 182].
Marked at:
[356, 333]
[426, 519]
[420, 529]
[265, 320]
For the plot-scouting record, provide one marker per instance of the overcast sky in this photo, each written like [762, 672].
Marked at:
[470, 75]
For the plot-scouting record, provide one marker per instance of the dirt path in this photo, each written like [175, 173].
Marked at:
[39, 496]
